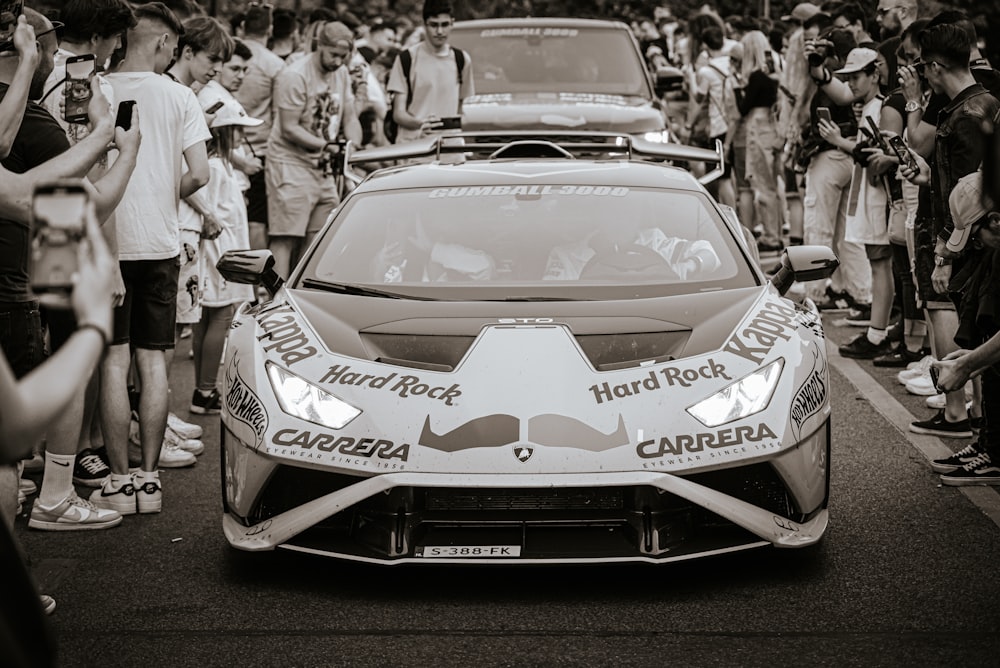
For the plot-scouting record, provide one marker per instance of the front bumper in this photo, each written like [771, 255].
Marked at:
[641, 516]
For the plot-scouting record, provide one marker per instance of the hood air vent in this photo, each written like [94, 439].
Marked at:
[419, 351]
[609, 352]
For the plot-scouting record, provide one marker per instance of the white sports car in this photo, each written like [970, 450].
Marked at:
[527, 358]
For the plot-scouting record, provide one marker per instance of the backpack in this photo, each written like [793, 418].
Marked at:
[389, 125]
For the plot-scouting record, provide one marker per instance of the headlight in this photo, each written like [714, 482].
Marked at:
[750, 394]
[660, 136]
[300, 398]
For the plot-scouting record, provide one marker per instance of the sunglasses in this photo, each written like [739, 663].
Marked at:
[921, 66]
[56, 28]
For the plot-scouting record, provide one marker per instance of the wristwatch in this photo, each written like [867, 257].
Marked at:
[911, 106]
[941, 261]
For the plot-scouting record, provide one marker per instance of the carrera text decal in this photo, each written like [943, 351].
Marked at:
[243, 405]
[704, 442]
[673, 376]
[811, 397]
[774, 322]
[404, 385]
[299, 443]
[285, 334]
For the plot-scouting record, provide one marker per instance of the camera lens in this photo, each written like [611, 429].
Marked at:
[815, 59]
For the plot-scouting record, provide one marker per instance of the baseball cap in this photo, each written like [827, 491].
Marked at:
[966, 204]
[333, 32]
[857, 60]
[802, 12]
[232, 113]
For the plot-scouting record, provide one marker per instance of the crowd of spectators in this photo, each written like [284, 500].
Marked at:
[813, 121]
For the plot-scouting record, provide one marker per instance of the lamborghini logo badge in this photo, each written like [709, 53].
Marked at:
[523, 453]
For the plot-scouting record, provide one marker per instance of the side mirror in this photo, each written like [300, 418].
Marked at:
[668, 80]
[804, 263]
[254, 267]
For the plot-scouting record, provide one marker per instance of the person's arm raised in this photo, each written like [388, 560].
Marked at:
[13, 103]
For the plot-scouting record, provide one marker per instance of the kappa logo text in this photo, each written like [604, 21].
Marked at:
[282, 328]
[773, 323]
[403, 385]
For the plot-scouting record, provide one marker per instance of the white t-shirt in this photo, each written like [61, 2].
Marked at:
[712, 81]
[434, 77]
[171, 121]
[867, 221]
[318, 97]
[225, 198]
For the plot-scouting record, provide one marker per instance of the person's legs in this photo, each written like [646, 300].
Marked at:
[257, 209]
[209, 341]
[293, 192]
[826, 178]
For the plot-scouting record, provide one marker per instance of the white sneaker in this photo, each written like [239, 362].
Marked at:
[121, 499]
[173, 457]
[922, 386]
[915, 370]
[936, 402]
[73, 514]
[149, 494]
[192, 445]
[182, 428]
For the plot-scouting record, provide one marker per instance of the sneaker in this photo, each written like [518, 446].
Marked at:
[957, 460]
[835, 301]
[899, 356]
[89, 470]
[860, 316]
[915, 370]
[173, 457]
[863, 349]
[979, 471]
[182, 428]
[206, 404]
[176, 452]
[121, 499]
[937, 402]
[922, 386]
[192, 445]
[73, 514]
[26, 486]
[149, 496]
[48, 603]
[939, 426]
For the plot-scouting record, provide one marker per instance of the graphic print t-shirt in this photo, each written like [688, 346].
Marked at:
[318, 97]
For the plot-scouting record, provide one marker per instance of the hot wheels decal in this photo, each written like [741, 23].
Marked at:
[673, 376]
[687, 443]
[244, 406]
[811, 397]
[403, 385]
[282, 328]
[346, 445]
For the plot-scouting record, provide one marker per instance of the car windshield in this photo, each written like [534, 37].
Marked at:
[554, 241]
[549, 59]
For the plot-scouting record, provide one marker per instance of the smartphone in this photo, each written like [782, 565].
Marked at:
[59, 212]
[902, 152]
[9, 11]
[449, 123]
[877, 133]
[824, 113]
[79, 71]
[123, 119]
[934, 377]
[215, 107]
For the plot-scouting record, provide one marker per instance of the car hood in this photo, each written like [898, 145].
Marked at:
[560, 111]
[556, 387]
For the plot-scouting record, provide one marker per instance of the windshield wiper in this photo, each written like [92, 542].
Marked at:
[361, 291]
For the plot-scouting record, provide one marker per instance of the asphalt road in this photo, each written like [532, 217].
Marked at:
[907, 575]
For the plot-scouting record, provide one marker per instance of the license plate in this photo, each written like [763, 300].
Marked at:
[469, 551]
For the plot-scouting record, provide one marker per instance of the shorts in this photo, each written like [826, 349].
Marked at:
[257, 196]
[189, 279]
[878, 251]
[924, 240]
[791, 182]
[294, 192]
[22, 337]
[61, 324]
[148, 315]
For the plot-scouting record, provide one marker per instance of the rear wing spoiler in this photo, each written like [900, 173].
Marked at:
[528, 144]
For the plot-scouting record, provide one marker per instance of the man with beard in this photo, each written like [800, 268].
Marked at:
[314, 105]
[893, 16]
